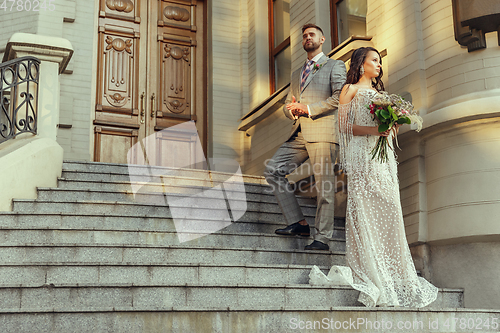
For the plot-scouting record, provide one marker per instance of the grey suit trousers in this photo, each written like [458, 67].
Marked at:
[288, 157]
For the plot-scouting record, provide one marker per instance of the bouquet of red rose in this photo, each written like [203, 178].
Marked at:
[389, 110]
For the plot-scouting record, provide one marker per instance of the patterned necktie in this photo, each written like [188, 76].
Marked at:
[305, 73]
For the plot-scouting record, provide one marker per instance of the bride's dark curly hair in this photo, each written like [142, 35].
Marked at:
[357, 60]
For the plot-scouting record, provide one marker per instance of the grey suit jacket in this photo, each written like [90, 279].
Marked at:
[318, 93]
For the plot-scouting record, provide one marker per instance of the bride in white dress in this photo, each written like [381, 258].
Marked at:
[376, 248]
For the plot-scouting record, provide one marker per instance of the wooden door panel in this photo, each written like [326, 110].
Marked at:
[118, 69]
[112, 144]
[128, 10]
[176, 13]
[148, 76]
[117, 118]
[118, 72]
[179, 149]
[175, 79]
[177, 45]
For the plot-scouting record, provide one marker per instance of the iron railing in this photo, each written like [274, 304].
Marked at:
[18, 97]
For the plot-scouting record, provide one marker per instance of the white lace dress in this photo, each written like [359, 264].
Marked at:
[376, 247]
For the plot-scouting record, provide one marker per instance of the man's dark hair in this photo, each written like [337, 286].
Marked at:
[310, 25]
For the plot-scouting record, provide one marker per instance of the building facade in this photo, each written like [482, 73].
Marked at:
[140, 66]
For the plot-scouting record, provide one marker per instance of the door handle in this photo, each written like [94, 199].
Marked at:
[142, 108]
[153, 106]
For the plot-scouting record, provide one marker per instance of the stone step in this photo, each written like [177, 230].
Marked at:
[158, 198]
[127, 223]
[167, 184]
[78, 184]
[240, 319]
[175, 183]
[255, 211]
[41, 274]
[206, 297]
[44, 237]
[152, 255]
[31, 208]
[125, 169]
[186, 178]
[150, 187]
[90, 255]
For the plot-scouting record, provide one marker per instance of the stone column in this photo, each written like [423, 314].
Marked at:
[55, 54]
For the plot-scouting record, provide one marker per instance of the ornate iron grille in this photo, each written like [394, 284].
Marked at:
[18, 97]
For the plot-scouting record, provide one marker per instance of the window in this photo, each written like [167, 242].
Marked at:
[348, 19]
[280, 61]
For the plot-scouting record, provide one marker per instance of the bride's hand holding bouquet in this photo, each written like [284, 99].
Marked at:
[391, 111]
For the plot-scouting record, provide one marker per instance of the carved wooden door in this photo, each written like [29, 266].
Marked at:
[151, 74]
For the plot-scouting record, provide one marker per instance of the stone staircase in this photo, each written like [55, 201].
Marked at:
[89, 256]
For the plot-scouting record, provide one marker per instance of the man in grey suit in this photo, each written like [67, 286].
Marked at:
[312, 104]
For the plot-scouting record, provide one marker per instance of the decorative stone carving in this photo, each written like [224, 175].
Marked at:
[177, 53]
[177, 89]
[118, 72]
[473, 19]
[120, 5]
[118, 44]
[176, 78]
[117, 97]
[176, 13]
[175, 106]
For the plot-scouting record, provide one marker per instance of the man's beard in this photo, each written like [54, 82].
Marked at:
[311, 47]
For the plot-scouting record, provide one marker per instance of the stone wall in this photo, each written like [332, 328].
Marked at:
[448, 172]
[78, 83]
[74, 21]
[230, 75]
[427, 65]
[301, 12]
[16, 21]
[470, 266]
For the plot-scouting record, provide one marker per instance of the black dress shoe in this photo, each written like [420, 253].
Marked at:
[317, 245]
[294, 229]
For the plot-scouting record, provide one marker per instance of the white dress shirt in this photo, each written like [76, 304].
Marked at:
[315, 59]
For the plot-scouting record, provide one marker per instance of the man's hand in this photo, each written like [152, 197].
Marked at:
[297, 109]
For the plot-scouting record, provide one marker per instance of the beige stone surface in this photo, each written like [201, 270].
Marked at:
[471, 266]
[48, 100]
[336, 319]
[26, 163]
[462, 176]
[45, 48]
[77, 84]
